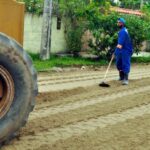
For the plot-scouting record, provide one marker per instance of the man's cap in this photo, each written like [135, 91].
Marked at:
[122, 20]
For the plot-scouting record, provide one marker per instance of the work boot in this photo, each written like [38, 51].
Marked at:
[125, 80]
[121, 75]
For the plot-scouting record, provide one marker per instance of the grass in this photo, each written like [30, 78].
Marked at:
[64, 61]
[141, 59]
[67, 61]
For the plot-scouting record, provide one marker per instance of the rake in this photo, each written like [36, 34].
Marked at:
[103, 83]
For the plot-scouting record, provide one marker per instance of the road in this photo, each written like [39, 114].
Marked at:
[74, 113]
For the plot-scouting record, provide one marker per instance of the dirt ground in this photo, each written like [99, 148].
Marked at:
[73, 113]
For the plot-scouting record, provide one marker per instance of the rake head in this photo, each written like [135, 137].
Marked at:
[103, 84]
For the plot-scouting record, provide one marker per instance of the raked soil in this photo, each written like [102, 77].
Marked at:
[73, 113]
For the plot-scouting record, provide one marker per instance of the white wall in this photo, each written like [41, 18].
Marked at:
[32, 35]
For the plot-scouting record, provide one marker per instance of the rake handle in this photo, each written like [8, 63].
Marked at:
[108, 67]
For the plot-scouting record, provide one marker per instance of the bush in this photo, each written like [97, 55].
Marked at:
[97, 18]
[139, 31]
[148, 46]
[33, 6]
[73, 38]
[71, 11]
[105, 32]
[132, 4]
[77, 13]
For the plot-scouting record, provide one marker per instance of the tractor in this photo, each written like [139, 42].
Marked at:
[18, 77]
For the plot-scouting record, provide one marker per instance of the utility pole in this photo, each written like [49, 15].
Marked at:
[46, 30]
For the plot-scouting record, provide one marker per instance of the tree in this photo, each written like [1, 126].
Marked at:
[77, 14]
[46, 30]
[33, 6]
[105, 30]
[72, 12]
[141, 4]
[132, 4]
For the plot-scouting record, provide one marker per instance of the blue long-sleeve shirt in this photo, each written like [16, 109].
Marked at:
[125, 40]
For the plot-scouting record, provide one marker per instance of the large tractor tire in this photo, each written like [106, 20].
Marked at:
[18, 88]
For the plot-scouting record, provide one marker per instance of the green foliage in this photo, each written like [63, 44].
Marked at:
[104, 29]
[139, 30]
[33, 6]
[73, 38]
[66, 61]
[146, 10]
[141, 59]
[97, 18]
[76, 13]
[105, 34]
[132, 4]
[148, 46]
[72, 11]
[80, 15]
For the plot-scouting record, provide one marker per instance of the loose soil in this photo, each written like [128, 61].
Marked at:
[73, 113]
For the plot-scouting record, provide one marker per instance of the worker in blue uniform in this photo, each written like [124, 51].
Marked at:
[123, 52]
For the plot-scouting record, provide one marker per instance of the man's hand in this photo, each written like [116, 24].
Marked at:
[119, 46]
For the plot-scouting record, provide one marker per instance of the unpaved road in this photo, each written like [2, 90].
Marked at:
[74, 113]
